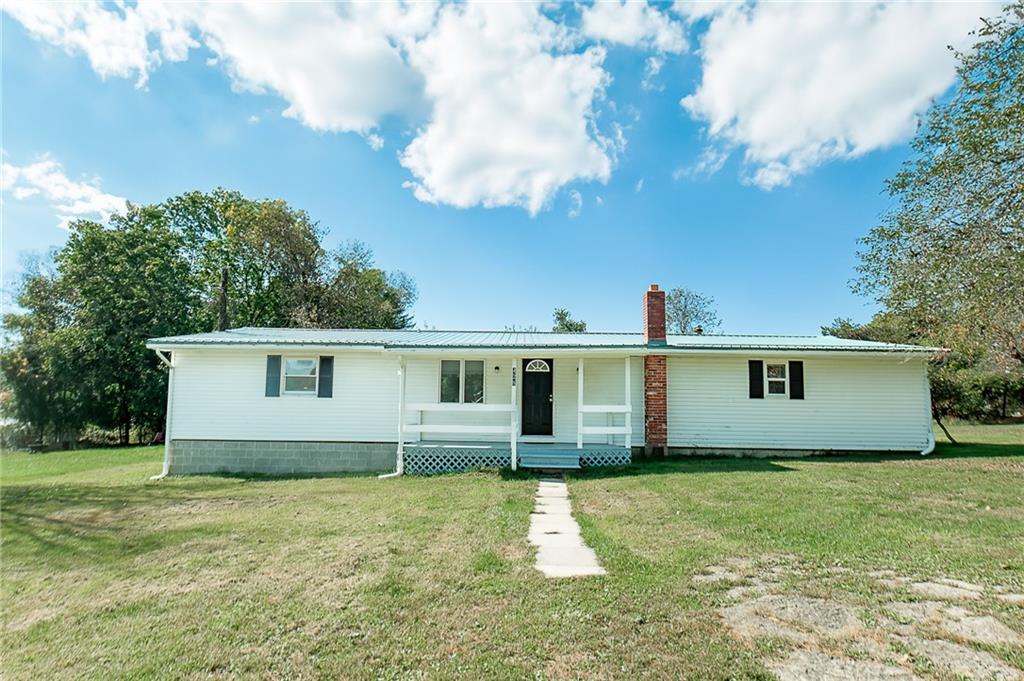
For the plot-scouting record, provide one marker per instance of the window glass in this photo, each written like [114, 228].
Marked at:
[449, 380]
[776, 371]
[474, 388]
[777, 387]
[300, 375]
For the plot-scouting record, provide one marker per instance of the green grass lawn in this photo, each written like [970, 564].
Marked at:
[105, 573]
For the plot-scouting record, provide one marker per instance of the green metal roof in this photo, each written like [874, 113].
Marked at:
[412, 339]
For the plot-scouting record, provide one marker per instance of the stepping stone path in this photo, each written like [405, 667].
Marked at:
[560, 548]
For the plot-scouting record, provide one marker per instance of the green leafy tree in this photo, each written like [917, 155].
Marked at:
[685, 310]
[125, 283]
[564, 323]
[75, 352]
[258, 262]
[950, 254]
[358, 295]
[37, 364]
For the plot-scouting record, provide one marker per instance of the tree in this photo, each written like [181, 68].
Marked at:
[685, 310]
[38, 370]
[358, 295]
[950, 254]
[78, 354]
[75, 352]
[124, 284]
[564, 323]
[258, 262]
[262, 263]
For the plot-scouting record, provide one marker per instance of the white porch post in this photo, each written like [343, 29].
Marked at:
[400, 466]
[629, 406]
[579, 404]
[514, 436]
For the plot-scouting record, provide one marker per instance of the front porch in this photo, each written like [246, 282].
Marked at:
[432, 457]
[557, 411]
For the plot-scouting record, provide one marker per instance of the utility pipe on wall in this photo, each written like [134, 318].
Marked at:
[169, 361]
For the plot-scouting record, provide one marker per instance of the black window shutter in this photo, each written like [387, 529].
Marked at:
[325, 388]
[756, 369]
[796, 380]
[273, 376]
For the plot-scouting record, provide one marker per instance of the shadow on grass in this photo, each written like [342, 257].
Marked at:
[69, 522]
[687, 464]
[943, 450]
[279, 477]
[777, 464]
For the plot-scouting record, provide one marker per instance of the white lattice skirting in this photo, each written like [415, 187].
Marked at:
[453, 460]
[595, 459]
[435, 460]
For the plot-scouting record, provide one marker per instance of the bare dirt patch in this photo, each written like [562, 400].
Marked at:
[985, 629]
[795, 618]
[962, 661]
[811, 665]
[953, 620]
[837, 640]
[946, 590]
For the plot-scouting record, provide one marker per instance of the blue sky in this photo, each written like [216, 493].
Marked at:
[771, 234]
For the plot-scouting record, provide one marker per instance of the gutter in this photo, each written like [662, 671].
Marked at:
[556, 350]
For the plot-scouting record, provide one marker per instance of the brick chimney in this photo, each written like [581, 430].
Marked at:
[654, 316]
[655, 375]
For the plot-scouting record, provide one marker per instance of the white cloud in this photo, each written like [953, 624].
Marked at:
[799, 84]
[513, 110]
[639, 186]
[575, 204]
[376, 142]
[116, 42]
[338, 66]
[652, 67]
[635, 24]
[505, 94]
[253, 119]
[710, 162]
[70, 198]
[695, 10]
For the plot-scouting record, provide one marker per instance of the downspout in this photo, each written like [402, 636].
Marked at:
[167, 417]
[400, 453]
[930, 447]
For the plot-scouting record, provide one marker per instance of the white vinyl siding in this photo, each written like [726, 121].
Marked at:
[850, 403]
[220, 395]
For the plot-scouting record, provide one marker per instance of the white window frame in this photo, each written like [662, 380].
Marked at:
[785, 381]
[316, 376]
[462, 380]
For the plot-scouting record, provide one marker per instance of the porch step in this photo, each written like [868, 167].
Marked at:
[550, 460]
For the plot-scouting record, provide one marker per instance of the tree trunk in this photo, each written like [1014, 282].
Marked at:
[222, 301]
[126, 418]
[944, 430]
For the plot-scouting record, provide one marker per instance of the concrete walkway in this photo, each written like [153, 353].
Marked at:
[560, 548]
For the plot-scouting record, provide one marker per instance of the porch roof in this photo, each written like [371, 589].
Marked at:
[417, 339]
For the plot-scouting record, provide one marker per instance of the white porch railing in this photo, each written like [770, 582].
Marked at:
[419, 408]
[608, 409]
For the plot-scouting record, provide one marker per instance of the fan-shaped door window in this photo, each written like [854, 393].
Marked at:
[538, 365]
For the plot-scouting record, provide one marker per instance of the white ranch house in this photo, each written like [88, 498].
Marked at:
[309, 401]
